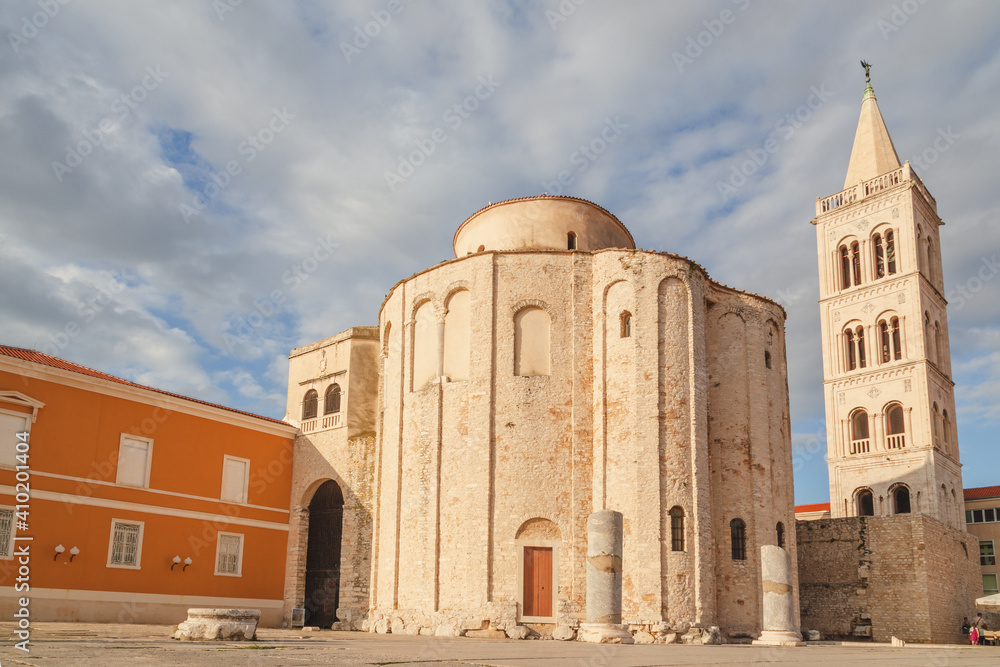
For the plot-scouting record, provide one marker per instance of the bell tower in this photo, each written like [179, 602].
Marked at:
[892, 445]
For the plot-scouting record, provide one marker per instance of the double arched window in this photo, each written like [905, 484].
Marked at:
[885, 254]
[310, 404]
[890, 339]
[850, 265]
[331, 400]
[855, 340]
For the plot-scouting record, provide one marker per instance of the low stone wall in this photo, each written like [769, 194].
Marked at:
[873, 578]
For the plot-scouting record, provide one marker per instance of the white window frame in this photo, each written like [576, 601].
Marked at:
[992, 555]
[239, 559]
[13, 531]
[246, 480]
[27, 428]
[149, 460]
[138, 545]
[990, 591]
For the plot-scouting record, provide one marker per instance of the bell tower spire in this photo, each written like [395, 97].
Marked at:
[890, 402]
[873, 153]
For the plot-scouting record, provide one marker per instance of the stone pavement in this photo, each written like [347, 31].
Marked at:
[138, 645]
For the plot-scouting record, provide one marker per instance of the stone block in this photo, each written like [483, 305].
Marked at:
[219, 625]
[604, 633]
[486, 634]
[517, 632]
[382, 626]
[564, 633]
[446, 630]
[643, 637]
[397, 626]
[812, 635]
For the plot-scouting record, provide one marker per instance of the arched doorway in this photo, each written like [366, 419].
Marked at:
[326, 514]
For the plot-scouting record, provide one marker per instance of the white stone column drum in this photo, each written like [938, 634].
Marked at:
[779, 602]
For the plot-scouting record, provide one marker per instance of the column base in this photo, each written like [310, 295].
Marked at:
[604, 633]
[779, 638]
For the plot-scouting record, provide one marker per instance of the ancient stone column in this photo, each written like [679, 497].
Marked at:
[604, 580]
[778, 604]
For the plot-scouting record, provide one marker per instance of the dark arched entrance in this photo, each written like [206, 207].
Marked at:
[326, 514]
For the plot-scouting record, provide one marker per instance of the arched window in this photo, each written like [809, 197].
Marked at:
[425, 346]
[894, 428]
[531, 342]
[571, 241]
[845, 268]
[676, 528]
[767, 359]
[780, 530]
[481, 248]
[331, 400]
[738, 535]
[457, 335]
[310, 404]
[901, 500]
[860, 442]
[928, 347]
[930, 262]
[861, 347]
[626, 324]
[866, 503]
[939, 344]
[879, 256]
[935, 426]
[890, 251]
[883, 330]
[897, 347]
[856, 262]
[852, 359]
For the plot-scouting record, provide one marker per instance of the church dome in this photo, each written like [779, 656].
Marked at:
[541, 223]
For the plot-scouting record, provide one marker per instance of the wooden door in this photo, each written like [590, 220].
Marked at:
[537, 581]
[326, 512]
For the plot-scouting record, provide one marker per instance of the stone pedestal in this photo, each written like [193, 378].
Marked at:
[219, 625]
[778, 603]
[604, 581]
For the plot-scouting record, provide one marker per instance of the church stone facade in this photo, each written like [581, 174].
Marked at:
[549, 371]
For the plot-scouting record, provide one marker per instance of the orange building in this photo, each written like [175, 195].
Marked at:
[137, 503]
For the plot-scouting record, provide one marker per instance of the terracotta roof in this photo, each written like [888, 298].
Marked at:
[36, 357]
[814, 507]
[982, 492]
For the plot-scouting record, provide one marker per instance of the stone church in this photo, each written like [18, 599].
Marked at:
[449, 458]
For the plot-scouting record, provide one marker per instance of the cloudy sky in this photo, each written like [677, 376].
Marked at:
[190, 189]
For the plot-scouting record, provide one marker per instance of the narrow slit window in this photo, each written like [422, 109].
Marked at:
[861, 347]
[897, 348]
[879, 257]
[890, 252]
[676, 529]
[845, 268]
[856, 262]
[738, 535]
[884, 339]
[571, 241]
[626, 324]
[852, 360]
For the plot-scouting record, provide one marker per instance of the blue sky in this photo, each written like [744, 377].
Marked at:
[171, 171]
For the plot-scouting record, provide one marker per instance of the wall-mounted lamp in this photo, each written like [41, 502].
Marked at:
[59, 549]
[187, 561]
[73, 553]
[177, 560]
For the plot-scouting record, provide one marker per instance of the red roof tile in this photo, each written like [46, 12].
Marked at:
[55, 362]
[814, 507]
[982, 492]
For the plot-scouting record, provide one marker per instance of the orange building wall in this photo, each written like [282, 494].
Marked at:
[77, 436]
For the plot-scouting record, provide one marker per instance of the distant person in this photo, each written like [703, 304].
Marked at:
[976, 634]
[966, 626]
